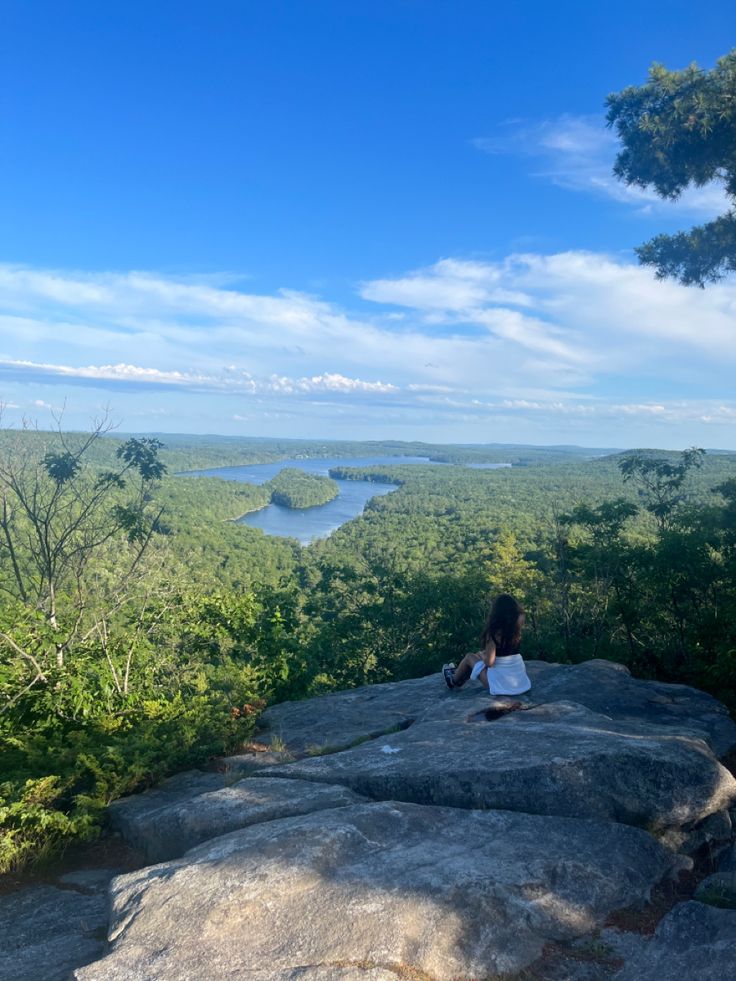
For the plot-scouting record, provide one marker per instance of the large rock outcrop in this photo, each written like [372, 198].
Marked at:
[416, 832]
[169, 821]
[451, 893]
[557, 759]
[338, 720]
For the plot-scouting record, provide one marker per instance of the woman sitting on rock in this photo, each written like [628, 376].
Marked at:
[499, 666]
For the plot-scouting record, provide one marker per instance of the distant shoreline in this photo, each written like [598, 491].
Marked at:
[249, 511]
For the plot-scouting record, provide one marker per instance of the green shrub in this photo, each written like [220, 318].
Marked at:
[59, 778]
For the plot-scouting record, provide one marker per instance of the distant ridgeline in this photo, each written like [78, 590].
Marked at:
[292, 488]
[189, 452]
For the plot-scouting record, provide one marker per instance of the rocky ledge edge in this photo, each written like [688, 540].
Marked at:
[406, 831]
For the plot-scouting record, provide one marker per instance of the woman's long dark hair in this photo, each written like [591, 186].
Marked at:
[503, 625]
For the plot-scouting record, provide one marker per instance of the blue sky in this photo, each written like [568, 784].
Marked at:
[342, 219]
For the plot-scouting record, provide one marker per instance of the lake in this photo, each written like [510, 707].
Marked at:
[308, 524]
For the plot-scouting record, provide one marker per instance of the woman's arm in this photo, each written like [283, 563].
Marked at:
[489, 654]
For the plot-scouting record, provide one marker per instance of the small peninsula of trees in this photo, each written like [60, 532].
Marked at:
[292, 488]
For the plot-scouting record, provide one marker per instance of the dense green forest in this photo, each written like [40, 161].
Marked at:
[292, 488]
[142, 629]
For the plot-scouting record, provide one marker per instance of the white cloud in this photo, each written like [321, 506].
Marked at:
[339, 383]
[672, 414]
[451, 285]
[231, 379]
[573, 336]
[106, 372]
[578, 308]
[577, 152]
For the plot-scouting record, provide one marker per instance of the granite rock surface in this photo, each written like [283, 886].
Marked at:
[47, 931]
[338, 720]
[447, 892]
[694, 942]
[177, 820]
[558, 759]
[407, 831]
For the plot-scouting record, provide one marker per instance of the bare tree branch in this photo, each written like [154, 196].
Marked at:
[29, 657]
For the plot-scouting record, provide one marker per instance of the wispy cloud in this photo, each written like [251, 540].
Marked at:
[577, 307]
[532, 344]
[123, 373]
[332, 383]
[451, 285]
[230, 380]
[577, 152]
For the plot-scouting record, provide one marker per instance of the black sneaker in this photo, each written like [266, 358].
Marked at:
[448, 673]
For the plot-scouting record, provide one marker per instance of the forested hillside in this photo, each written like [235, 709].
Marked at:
[142, 629]
[183, 452]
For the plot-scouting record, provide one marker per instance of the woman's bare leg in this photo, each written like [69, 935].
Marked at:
[465, 668]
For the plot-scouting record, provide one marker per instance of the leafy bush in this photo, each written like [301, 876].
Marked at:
[71, 746]
[59, 776]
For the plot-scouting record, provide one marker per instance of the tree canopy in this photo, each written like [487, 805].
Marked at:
[678, 130]
[142, 629]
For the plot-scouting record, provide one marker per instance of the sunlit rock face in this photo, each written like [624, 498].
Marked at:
[451, 893]
[559, 759]
[409, 831]
[337, 720]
